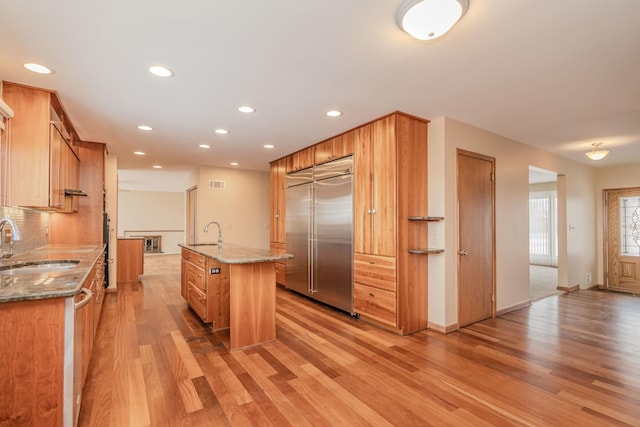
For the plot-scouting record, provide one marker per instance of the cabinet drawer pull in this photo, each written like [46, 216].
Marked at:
[371, 294]
[372, 262]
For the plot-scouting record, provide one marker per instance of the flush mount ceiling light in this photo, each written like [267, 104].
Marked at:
[139, 153]
[246, 109]
[37, 68]
[160, 71]
[268, 146]
[205, 146]
[145, 127]
[234, 164]
[334, 113]
[221, 131]
[157, 167]
[430, 19]
[597, 152]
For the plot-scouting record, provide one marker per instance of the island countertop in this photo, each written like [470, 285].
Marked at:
[65, 283]
[235, 254]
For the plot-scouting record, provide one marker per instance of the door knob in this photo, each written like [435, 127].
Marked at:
[463, 253]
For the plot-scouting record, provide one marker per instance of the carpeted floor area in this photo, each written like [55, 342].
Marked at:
[161, 263]
[543, 282]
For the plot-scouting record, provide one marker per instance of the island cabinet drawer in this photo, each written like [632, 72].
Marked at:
[195, 277]
[198, 302]
[375, 303]
[281, 272]
[196, 259]
[374, 270]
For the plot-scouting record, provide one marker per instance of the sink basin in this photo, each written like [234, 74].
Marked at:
[38, 267]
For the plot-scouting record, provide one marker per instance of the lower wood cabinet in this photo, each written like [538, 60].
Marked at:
[130, 259]
[205, 287]
[281, 266]
[41, 351]
[374, 288]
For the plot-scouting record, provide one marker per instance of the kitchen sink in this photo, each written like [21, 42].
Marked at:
[38, 267]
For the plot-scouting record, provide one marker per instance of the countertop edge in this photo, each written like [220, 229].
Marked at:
[65, 291]
[258, 256]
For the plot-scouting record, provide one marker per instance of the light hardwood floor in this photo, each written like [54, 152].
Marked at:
[569, 360]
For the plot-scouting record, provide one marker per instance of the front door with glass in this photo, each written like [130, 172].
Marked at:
[623, 239]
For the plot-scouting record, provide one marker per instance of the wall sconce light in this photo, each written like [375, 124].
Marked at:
[597, 152]
[429, 19]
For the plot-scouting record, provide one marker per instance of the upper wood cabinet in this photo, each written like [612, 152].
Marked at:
[334, 148]
[277, 230]
[300, 160]
[375, 188]
[40, 137]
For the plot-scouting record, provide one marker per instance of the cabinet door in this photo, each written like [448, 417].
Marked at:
[56, 166]
[384, 186]
[71, 168]
[277, 231]
[323, 152]
[183, 277]
[343, 145]
[300, 160]
[28, 183]
[362, 190]
[305, 158]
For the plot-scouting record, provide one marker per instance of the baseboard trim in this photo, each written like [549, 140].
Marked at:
[513, 307]
[441, 328]
[568, 288]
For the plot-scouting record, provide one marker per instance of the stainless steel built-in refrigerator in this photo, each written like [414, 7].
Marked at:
[319, 225]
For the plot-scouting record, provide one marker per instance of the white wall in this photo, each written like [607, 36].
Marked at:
[143, 213]
[609, 179]
[512, 212]
[242, 208]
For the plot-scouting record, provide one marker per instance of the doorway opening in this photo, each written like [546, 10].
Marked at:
[543, 233]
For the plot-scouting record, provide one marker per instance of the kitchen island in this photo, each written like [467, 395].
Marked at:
[233, 288]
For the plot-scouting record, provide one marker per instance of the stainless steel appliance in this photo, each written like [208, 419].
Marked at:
[319, 227]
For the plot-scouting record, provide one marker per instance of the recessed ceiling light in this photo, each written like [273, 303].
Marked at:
[246, 109]
[37, 68]
[157, 167]
[160, 71]
[234, 164]
[221, 131]
[269, 145]
[145, 127]
[205, 146]
[334, 113]
[139, 153]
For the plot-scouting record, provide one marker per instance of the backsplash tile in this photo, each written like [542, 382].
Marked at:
[33, 226]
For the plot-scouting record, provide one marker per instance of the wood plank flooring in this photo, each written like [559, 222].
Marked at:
[568, 360]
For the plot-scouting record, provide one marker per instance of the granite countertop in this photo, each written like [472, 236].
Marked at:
[234, 254]
[65, 283]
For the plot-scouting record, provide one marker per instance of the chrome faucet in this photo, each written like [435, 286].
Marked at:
[206, 230]
[15, 235]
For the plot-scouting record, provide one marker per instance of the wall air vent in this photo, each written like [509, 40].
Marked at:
[216, 185]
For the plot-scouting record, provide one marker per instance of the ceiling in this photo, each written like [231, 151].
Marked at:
[558, 75]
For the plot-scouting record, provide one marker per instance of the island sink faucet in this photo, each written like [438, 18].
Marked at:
[206, 230]
[15, 235]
